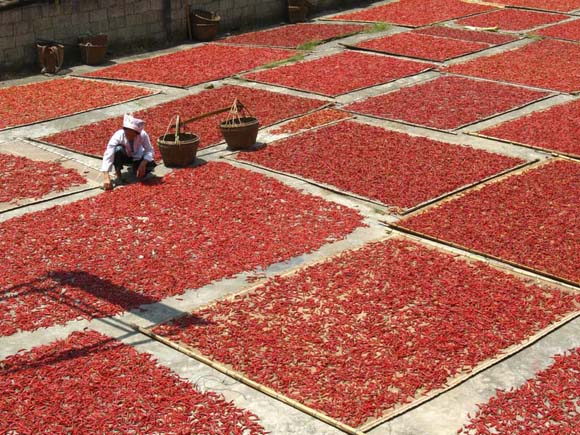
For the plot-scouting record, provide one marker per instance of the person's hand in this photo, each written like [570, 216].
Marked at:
[141, 169]
[107, 185]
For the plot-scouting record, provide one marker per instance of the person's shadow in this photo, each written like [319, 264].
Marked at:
[118, 299]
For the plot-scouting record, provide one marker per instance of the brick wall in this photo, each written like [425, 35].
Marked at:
[129, 23]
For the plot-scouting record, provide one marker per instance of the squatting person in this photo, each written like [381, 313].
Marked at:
[129, 146]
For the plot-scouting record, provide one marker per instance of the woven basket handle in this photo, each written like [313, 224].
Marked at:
[237, 111]
[234, 113]
[245, 109]
[177, 127]
[59, 59]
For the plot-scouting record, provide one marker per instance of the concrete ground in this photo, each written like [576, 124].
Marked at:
[443, 415]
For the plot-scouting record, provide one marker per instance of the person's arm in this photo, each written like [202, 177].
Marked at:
[148, 155]
[107, 184]
[108, 159]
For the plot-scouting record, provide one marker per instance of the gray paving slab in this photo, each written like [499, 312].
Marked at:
[534, 107]
[68, 160]
[43, 205]
[175, 306]
[25, 149]
[363, 94]
[275, 416]
[457, 138]
[446, 414]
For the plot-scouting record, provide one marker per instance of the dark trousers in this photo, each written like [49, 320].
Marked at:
[122, 159]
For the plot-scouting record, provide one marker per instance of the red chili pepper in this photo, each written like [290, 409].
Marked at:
[25, 178]
[57, 262]
[57, 98]
[416, 13]
[335, 334]
[312, 120]
[422, 46]
[380, 164]
[196, 65]
[448, 102]
[351, 71]
[512, 19]
[295, 35]
[528, 219]
[545, 404]
[550, 129]
[467, 35]
[268, 107]
[90, 384]
[569, 30]
[545, 64]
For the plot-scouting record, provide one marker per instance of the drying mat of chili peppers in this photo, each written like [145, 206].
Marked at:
[316, 119]
[90, 383]
[23, 178]
[340, 73]
[415, 13]
[140, 244]
[44, 101]
[370, 333]
[546, 64]
[269, 107]
[491, 38]
[554, 129]
[295, 35]
[373, 163]
[447, 103]
[513, 19]
[545, 404]
[569, 31]
[194, 66]
[546, 5]
[530, 220]
[425, 47]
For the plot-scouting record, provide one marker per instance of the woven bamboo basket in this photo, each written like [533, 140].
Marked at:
[50, 57]
[178, 152]
[240, 129]
[204, 25]
[178, 149]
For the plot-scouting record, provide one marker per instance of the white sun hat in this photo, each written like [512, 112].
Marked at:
[133, 123]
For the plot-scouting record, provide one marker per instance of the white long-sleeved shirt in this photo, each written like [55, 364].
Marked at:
[141, 148]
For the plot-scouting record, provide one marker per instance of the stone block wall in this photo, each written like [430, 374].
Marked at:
[129, 23]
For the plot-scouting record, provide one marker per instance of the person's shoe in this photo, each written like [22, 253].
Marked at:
[149, 176]
[119, 179]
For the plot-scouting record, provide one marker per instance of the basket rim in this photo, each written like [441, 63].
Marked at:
[89, 45]
[206, 15]
[193, 137]
[49, 44]
[245, 121]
